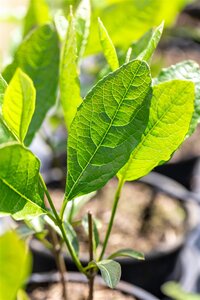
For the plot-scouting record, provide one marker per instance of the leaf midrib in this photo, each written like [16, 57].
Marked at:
[104, 136]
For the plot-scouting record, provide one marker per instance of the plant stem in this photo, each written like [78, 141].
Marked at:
[63, 208]
[59, 260]
[114, 208]
[91, 273]
[58, 222]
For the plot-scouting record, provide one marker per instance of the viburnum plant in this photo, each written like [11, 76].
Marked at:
[127, 124]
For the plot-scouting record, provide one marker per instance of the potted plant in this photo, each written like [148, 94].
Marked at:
[125, 126]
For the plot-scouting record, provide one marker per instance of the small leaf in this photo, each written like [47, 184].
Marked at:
[110, 272]
[127, 253]
[171, 110]
[61, 25]
[108, 47]
[19, 178]
[69, 230]
[37, 15]
[186, 70]
[38, 57]
[82, 25]
[19, 104]
[15, 262]
[107, 127]
[69, 81]
[3, 86]
[95, 233]
[147, 44]
[72, 236]
[175, 291]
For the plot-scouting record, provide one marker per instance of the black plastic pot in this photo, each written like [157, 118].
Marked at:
[158, 266]
[125, 288]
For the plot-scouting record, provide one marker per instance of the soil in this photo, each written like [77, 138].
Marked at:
[145, 221]
[77, 291]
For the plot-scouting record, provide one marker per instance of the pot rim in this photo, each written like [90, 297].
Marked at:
[122, 286]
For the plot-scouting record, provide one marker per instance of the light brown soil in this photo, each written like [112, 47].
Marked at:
[76, 291]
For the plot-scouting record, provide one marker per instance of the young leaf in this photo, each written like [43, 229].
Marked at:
[69, 230]
[95, 231]
[108, 47]
[61, 24]
[69, 82]
[38, 57]
[19, 177]
[127, 253]
[147, 44]
[19, 104]
[82, 26]
[108, 126]
[37, 15]
[3, 86]
[171, 110]
[15, 262]
[110, 272]
[188, 70]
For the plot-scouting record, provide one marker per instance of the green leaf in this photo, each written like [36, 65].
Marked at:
[108, 47]
[82, 25]
[130, 19]
[15, 262]
[61, 24]
[37, 15]
[5, 134]
[3, 86]
[19, 179]
[69, 230]
[69, 81]
[127, 253]
[147, 44]
[95, 233]
[108, 126]
[175, 291]
[110, 272]
[19, 104]
[72, 236]
[188, 70]
[171, 110]
[38, 57]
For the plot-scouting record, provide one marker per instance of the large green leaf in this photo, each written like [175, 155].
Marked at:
[108, 126]
[69, 81]
[19, 180]
[171, 110]
[147, 44]
[38, 57]
[188, 70]
[37, 15]
[15, 262]
[108, 47]
[19, 104]
[130, 19]
[82, 25]
[3, 86]
[110, 272]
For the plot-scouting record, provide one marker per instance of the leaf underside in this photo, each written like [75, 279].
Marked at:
[110, 272]
[107, 127]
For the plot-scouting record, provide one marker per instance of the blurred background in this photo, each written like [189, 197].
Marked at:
[176, 254]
